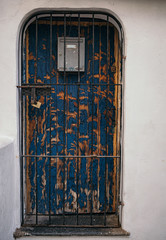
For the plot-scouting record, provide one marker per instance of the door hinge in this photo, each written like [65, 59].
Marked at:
[121, 203]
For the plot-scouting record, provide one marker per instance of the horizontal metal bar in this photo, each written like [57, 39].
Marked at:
[76, 11]
[71, 214]
[34, 86]
[66, 156]
[26, 85]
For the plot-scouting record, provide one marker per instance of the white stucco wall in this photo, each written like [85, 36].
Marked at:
[7, 191]
[144, 174]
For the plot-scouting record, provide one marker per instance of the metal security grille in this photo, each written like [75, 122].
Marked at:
[70, 121]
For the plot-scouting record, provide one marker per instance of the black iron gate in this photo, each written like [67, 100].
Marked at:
[71, 119]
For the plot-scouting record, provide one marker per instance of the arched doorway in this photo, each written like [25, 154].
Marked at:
[71, 94]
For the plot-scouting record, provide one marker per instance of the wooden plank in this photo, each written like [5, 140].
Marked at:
[116, 81]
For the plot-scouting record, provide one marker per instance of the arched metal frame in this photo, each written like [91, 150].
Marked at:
[51, 13]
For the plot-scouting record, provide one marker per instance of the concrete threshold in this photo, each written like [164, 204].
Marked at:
[68, 231]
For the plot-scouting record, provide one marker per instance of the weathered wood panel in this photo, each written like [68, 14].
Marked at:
[64, 122]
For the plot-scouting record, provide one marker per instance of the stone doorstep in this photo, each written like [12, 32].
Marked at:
[68, 231]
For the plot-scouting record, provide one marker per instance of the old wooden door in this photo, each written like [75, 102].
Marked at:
[71, 121]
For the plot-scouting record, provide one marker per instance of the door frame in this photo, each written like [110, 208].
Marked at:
[24, 24]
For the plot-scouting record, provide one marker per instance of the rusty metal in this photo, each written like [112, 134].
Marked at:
[33, 96]
[34, 87]
[78, 92]
[64, 118]
[113, 69]
[50, 119]
[105, 220]
[91, 167]
[21, 161]
[69, 156]
[40, 86]
[36, 124]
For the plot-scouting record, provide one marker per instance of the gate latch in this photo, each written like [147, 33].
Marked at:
[34, 91]
[34, 102]
[33, 96]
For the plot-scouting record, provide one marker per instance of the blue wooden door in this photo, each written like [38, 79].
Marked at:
[73, 131]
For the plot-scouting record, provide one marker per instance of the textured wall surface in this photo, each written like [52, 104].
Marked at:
[144, 178]
[7, 188]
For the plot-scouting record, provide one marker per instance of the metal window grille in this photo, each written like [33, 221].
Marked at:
[70, 141]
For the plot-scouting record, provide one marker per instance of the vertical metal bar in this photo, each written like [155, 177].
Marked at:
[36, 125]
[56, 106]
[50, 47]
[122, 123]
[105, 197]
[78, 92]
[93, 41]
[25, 64]
[21, 135]
[36, 44]
[121, 127]
[79, 48]
[120, 160]
[118, 122]
[64, 144]
[117, 149]
[91, 176]
[50, 119]
[21, 161]
[36, 182]
[117, 127]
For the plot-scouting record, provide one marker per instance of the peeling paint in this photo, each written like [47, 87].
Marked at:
[69, 171]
